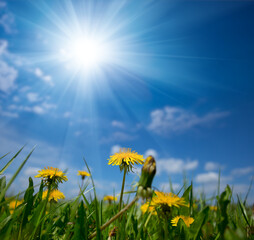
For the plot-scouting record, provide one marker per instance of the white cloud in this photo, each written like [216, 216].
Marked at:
[212, 177]
[115, 149]
[3, 46]
[24, 89]
[16, 99]
[118, 136]
[31, 171]
[46, 78]
[38, 109]
[77, 133]
[2, 4]
[8, 114]
[240, 188]
[8, 76]
[105, 185]
[207, 177]
[7, 21]
[118, 124]
[175, 165]
[172, 119]
[32, 97]
[151, 152]
[212, 166]
[165, 186]
[242, 171]
[67, 114]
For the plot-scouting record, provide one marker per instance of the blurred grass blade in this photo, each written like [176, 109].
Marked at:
[243, 210]
[247, 194]
[98, 230]
[4, 155]
[8, 164]
[15, 175]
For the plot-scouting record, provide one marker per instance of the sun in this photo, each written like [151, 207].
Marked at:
[87, 52]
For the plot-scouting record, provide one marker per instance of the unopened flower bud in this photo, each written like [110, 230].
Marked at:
[147, 175]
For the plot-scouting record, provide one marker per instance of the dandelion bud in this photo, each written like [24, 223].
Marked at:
[147, 175]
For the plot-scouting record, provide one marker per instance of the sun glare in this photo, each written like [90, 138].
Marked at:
[87, 52]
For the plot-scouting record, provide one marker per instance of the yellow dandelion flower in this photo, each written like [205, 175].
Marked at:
[147, 207]
[187, 220]
[53, 175]
[110, 198]
[168, 199]
[53, 195]
[126, 157]
[213, 208]
[14, 204]
[83, 174]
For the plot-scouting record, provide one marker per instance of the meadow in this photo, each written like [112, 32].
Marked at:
[138, 213]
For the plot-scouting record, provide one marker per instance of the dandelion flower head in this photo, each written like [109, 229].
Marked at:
[14, 204]
[53, 195]
[51, 174]
[213, 208]
[126, 157]
[148, 208]
[168, 199]
[187, 220]
[83, 174]
[110, 198]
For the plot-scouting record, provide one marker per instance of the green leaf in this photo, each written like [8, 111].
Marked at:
[186, 194]
[224, 200]
[184, 231]
[28, 199]
[80, 230]
[2, 183]
[196, 226]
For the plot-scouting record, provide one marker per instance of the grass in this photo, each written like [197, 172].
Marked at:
[87, 217]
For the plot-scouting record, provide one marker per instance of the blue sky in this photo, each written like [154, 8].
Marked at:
[168, 78]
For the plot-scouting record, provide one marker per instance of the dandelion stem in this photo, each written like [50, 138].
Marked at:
[165, 227]
[114, 218]
[121, 196]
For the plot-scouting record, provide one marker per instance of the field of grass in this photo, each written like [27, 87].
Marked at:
[36, 215]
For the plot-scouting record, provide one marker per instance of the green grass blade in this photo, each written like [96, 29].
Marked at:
[8, 164]
[98, 230]
[4, 155]
[247, 194]
[15, 175]
[243, 210]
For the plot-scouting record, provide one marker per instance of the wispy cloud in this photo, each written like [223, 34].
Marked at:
[40, 108]
[8, 76]
[213, 166]
[119, 137]
[175, 120]
[115, 149]
[165, 186]
[32, 97]
[242, 171]
[46, 78]
[151, 152]
[7, 19]
[8, 113]
[8, 73]
[118, 124]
